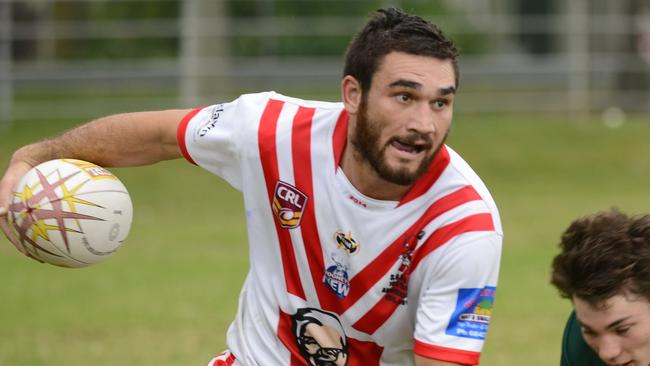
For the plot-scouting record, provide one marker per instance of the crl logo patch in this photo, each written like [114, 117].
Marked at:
[288, 204]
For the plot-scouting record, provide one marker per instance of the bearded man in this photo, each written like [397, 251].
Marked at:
[355, 209]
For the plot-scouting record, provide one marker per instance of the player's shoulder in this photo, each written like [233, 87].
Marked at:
[575, 351]
[462, 171]
[261, 99]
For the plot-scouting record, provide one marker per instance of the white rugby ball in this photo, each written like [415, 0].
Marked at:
[70, 213]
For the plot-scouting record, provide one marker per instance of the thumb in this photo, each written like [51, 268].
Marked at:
[3, 211]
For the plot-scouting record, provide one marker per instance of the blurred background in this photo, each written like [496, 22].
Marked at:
[553, 112]
[548, 56]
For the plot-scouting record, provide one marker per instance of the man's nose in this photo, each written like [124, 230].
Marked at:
[422, 119]
[608, 349]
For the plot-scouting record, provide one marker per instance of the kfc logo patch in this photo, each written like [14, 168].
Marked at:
[288, 205]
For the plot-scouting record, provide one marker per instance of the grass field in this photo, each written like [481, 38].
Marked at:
[167, 297]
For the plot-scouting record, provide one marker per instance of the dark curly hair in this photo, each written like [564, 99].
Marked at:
[604, 255]
[391, 30]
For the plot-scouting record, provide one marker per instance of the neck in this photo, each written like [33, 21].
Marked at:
[365, 178]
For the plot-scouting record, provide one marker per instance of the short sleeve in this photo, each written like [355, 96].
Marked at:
[214, 137]
[456, 299]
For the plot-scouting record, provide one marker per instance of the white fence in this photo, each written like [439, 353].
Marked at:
[597, 56]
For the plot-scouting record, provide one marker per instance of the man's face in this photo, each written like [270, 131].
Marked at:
[619, 330]
[405, 116]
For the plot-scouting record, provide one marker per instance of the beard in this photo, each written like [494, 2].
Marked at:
[366, 137]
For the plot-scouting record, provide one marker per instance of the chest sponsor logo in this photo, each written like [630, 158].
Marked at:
[346, 242]
[336, 278]
[320, 337]
[288, 204]
[473, 312]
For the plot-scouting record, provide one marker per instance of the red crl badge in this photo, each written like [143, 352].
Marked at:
[288, 204]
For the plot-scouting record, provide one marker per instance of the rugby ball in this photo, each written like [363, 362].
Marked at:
[70, 213]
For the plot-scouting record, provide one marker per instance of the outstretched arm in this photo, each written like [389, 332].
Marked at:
[119, 140]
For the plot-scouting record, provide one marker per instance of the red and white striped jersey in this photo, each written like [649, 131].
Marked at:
[336, 276]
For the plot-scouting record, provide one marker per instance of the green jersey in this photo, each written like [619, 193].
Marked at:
[575, 352]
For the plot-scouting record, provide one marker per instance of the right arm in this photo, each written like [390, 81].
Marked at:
[120, 140]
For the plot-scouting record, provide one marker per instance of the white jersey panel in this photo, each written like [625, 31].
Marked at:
[214, 136]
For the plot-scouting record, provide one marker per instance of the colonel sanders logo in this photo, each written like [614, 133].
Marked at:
[320, 337]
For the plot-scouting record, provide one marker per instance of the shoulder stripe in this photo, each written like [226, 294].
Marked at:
[269, 160]
[182, 130]
[373, 272]
[473, 223]
[384, 308]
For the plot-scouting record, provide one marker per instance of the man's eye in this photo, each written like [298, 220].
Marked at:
[439, 104]
[403, 98]
[622, 330]
[588, 332]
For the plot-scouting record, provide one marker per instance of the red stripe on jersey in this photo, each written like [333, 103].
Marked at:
[340, 137]
[478, 222]
[362, 353]
[302, 165]
[440, 162]
[269, 158]
[459, 356]
[224, 359]
[359, 353]
[373, 272]
[180, 134]
[379, 313]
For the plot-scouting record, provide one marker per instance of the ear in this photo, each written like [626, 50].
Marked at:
[351, 94]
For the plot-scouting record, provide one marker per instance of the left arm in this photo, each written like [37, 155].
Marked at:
[455, 301]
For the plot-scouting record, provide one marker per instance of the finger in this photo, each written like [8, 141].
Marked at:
[8, 182]
[6, 229]
[5, 226]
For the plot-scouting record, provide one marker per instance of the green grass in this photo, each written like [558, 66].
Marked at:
[167, 297]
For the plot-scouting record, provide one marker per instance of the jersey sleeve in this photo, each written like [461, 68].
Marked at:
[214, 137]
[455, 302]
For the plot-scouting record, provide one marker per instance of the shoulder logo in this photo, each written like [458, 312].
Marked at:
[288, 204]
[215, 114]
[473, 312]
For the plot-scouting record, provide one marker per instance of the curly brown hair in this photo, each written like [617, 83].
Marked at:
[390, 30]
[604, 255]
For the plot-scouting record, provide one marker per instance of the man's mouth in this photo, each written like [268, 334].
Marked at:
[628, 363]
[411, 146]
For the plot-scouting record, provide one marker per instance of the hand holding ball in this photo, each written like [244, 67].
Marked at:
[70, 213]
